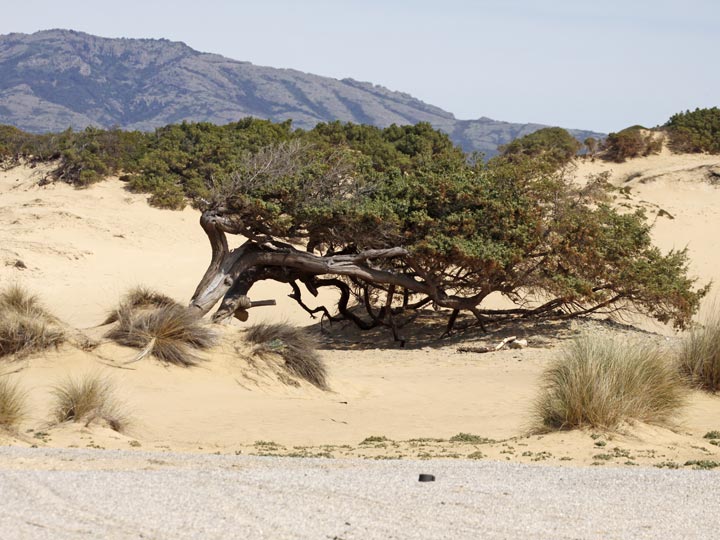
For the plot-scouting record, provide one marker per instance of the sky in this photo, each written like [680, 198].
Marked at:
[600, 65]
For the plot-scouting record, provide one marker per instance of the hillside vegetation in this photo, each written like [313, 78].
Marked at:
[437, 226]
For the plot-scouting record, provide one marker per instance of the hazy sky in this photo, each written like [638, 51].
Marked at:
[602, 65]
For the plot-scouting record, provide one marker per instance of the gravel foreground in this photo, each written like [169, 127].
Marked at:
[67, 493]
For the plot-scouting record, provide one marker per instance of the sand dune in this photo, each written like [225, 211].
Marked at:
[80, 250]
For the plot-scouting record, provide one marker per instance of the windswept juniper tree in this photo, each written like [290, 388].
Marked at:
[446, 233]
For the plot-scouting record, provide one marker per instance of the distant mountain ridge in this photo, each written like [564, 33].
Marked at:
[55, 79]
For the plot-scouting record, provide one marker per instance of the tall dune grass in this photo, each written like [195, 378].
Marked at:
[12, 404]
[699, 357]
[602, 382]
[25, 325]
[140, 297]
[294, 346]
[160, 327]
[88, 399]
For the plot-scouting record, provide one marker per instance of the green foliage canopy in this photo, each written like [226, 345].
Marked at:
[696, 131]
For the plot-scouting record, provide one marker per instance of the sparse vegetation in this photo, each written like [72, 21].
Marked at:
[88, 399]
[699, 358]
[294, 346]
[702, 464]
[374, 439]
[169, 332]
[25, 325]
[470, 438]
[12, 404]
[600, 382]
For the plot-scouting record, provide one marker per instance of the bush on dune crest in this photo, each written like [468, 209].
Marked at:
[601, 382]
[700, 355]
[294, 346]
[25, 325]
[12, 404]
[159, 326]
[88, 399]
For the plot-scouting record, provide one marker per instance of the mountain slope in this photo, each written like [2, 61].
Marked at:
[53, 79]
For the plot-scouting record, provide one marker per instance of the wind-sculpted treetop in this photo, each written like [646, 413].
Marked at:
[448, 234]
[395, 219]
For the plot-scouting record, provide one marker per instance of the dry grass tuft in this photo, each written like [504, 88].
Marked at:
[12, 404]
[294, 346]
[170, 332]
[25, 325]
[601, 382]
[140, 298]
[88, 399]
[699, 358]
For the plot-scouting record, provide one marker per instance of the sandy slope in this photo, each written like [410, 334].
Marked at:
[83, 249]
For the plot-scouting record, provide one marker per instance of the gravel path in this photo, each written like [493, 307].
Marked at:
[119, 494]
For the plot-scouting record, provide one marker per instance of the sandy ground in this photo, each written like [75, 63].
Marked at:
[83, 249]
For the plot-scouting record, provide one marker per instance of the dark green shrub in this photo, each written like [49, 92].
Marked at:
[631, 142]
[554, 145]
[696, 131]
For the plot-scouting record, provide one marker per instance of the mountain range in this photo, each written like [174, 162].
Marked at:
[55, 79]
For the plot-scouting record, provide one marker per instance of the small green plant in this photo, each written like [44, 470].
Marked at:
[294, 346]
[12, 404]
[25, 325]
[476, 455]
[704, 464]
[88, 399]
[699, 358]
[470, 438]
[712, 435]
[374, 439]
[599, 382]
[668, 465]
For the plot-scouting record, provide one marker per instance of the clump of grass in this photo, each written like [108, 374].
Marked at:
[170, 332]
[88, 399]
[600, 382]
[12, 404]
[25, 325]
[699, 358]
[140, 298]
[294, 346]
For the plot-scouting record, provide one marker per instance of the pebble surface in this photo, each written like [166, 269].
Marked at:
[130, 494]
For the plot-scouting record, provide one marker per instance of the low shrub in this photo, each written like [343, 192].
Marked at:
[601, 382]
[699, 357]
[12, 404]
[631, 142]
[294, 346]
[88, 399]
[25, 325]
